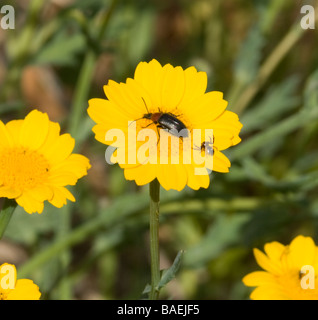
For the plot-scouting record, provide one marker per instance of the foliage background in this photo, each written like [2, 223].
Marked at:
[60, 55]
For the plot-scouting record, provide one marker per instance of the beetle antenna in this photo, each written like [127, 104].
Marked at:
[145, 104]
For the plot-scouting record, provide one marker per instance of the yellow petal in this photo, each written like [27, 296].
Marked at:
[34, 130]
[302, 252]
[29, 203]
[61, 195]
[264, 262]
[150, 76]
[220, 162]
[62, 178]
[77, 164]
[8, 192]
[172, 87]
[107, 113]
[178, 176]
[172, 176]
[221, 157]
[195, 85]
[41, 193]
[258, 278]
[138, 98]
[53, 135]
[195, 181]
[220, 167]
[129, 98]
[229, 121]
[206, 109]
[14, 129]
[60, 149]
[222, 142]
[5, 138]
[142, 174]
[24, 290]
[268, 293]
[274, 251]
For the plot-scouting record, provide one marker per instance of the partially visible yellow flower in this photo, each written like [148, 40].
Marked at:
[157, 90]
[284, 277]
[36, 162]
[13, 289]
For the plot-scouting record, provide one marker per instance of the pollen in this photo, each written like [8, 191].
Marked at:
[22, 169]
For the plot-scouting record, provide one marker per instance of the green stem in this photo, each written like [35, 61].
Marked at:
[268, 67]
[154, 238]
[270, 64]
[6, 214]
[280, 129]
[81, 93]
[83, 85]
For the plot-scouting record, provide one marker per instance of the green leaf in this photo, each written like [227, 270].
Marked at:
[279, 100]
[62, 50]
[277, 131]
[247, 64]
[141, 36]
[257, 172]
[11, 106]
[273, 9]
[311, 91]
[26, 228]
[147, 289]
[221, 234]
[170, 273]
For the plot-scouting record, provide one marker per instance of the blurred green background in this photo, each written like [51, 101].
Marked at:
[60, 55]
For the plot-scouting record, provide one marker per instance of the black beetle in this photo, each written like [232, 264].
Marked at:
[167, 121]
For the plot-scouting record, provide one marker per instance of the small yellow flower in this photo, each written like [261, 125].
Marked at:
[156, 90]
[36, 162]
[288, 271]
[13, 289]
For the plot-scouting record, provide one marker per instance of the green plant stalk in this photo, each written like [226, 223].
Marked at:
[268, 67]
[82, 88]
[282, 128]
[6, 213]
[77, 110]
[283, 48]
[116, 214]
[83, 85]
[154, 189]
[65, 291]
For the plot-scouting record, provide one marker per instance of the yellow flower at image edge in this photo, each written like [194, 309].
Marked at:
[284, 271]
[36, 162]
[22, 289]
[155, 90]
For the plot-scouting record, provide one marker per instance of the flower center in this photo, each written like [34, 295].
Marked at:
[22, 169]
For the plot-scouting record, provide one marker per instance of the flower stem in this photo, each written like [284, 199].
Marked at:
[154, 189]
[6, 212]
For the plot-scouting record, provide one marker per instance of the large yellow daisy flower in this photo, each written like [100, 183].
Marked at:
[289, 271]
[13, 289]
[36, 162]
[180, 96]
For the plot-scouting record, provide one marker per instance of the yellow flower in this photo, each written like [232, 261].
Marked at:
[36, 162]
[13, 289]
[154, 91]
[289, 271]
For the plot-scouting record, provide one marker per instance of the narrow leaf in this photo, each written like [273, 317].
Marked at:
[170, 273]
